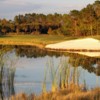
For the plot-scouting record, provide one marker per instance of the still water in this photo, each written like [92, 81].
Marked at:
[30, 65]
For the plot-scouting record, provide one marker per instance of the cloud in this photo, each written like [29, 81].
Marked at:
[15, 9]
[10, 8]
[14, 2]
[3, 0]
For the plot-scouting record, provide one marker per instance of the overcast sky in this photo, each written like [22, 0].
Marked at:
[10, 8]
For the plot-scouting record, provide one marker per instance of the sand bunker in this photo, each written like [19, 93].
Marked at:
[80, 45]
[87, 43]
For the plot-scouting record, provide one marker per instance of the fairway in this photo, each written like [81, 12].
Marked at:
[35, 40]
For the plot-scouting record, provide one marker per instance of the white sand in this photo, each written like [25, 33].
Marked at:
[87, 43]
[78, 44]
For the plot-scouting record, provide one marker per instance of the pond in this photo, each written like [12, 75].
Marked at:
[27, 69]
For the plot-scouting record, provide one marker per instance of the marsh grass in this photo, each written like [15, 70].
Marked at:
[44, 81]
[1, 74]
[62, 75]
[68, 74]
[65, 94]
[53, 75]
[7, 74]
[65, 84]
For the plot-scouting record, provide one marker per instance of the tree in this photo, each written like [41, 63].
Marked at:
[88, 14]
[96, 7]
[0, 28]
[75, 16]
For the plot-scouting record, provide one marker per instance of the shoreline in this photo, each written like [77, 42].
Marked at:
[56, 43]
[87, 46]
[41, 46]
[65, 94]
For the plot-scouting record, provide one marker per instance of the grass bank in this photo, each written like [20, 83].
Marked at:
[66, 94]
[35, 40]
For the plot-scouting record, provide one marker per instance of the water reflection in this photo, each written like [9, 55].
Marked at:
[75, 59]
[35, 52]
[89, 63]
[23, 67]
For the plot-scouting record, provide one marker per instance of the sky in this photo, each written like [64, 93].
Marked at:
[10, 8]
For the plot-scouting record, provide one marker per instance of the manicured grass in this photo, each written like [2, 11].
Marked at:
[38, 40]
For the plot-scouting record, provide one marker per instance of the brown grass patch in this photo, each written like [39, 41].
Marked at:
[65, 94]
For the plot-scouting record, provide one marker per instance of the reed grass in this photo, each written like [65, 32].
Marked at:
[1, 74]
[65, 84]
[53, 75]
[63, 75]
[44, 81]
[7, 74]
[65, 94]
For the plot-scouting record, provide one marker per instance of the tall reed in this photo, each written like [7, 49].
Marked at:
[1, 74]
[7, 74]
[53, 75]
[44, 81]
[62, 75]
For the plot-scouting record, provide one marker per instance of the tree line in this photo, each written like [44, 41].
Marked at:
[77, 23]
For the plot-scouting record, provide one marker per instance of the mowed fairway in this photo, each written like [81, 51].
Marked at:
[37, 40]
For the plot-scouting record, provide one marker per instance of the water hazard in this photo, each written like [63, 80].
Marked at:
[26, 69]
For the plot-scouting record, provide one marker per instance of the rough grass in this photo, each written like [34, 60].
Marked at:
[68, 94]
[65, 94]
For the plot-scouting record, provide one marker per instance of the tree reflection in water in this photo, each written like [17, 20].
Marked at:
[91, 64]
[76, 60]
[7, 73]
